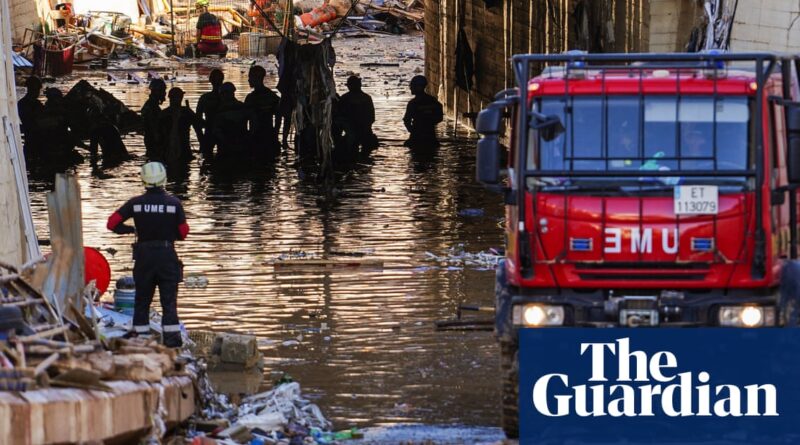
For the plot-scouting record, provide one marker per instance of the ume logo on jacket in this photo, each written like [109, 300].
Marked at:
[646, 385]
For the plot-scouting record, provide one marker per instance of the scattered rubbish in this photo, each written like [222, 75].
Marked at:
[457, 256]
[280, 415]
[195, 281]
[125, 295]
[295, 255]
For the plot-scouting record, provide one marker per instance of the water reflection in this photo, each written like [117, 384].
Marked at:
[363, 340]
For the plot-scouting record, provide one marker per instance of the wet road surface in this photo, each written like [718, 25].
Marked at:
[361, 342]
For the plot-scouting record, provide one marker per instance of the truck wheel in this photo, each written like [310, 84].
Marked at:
[509, 367]
[502, 306]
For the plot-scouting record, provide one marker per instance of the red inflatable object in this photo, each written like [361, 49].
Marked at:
[97, 268]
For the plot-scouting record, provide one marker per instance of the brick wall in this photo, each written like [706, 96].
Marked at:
[521, 26]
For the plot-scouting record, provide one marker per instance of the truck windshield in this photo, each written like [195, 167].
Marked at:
[645, 133]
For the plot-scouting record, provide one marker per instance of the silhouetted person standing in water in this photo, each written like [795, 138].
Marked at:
[30, 110]
[150, 114]
[263, 106]
[59, 148]
[103, 133]
[175, 123]
[423, 113]
[287, 82]
[358, 115]
[230, 125]
[207, 110]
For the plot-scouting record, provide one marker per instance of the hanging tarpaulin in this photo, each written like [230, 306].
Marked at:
[719, 16]
[465, 60]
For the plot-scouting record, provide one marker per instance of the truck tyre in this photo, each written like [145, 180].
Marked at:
[502, 306]
[509, 368]
[790, 294]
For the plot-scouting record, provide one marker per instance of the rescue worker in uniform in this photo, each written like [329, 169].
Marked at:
[207, 109]
[30, 110]
[174, 124]
[262, 104]
[159, 221]
[423, 113]
[359, 115]
[209, 32]
[150, 114]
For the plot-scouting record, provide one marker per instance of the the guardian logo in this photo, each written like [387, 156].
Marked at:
[647, 385]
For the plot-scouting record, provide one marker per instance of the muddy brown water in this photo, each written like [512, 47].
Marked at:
[380, 361]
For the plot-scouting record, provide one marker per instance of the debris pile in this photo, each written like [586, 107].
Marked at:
[39, 348]
[278, 416]
[145, 29]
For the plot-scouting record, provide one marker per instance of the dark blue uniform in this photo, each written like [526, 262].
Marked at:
[160, 221]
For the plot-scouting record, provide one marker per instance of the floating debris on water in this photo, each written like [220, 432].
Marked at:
[457, 257]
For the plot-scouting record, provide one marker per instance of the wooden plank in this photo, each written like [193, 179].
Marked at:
[43, 334]
[41, 367]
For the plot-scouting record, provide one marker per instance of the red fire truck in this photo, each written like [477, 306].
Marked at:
[644, 190]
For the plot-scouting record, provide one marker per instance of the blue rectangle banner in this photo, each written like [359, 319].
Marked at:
[665, 386]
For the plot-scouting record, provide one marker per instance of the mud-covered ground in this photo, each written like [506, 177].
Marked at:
[361, 342]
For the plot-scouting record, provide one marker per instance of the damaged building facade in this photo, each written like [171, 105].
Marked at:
[468, 43]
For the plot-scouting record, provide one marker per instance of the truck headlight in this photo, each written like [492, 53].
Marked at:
[536, 315]
[747, 316]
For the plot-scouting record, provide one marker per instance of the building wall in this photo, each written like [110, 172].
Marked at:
[766, 25]
[12, 238]
[495, 33]
[671, 23]
[25, 14]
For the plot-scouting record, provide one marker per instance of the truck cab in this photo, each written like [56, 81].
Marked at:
[644, 190]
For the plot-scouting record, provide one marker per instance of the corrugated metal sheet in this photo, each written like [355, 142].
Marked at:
[20, 62]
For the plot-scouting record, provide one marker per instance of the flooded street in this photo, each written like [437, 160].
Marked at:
[362, 342]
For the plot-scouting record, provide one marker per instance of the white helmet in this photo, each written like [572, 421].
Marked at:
[154, 174]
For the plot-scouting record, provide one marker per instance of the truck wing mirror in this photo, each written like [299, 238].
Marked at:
[792, 113]
[548, 126]
[488, 160]
[489, 120]
[488, 124]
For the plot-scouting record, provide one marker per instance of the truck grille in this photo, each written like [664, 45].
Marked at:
[642, 271]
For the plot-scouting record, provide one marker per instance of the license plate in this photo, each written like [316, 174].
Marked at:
[696, 200]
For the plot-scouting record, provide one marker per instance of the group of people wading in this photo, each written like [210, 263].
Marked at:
[225, 127]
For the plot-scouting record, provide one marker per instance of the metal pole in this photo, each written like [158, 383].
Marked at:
[172, 24]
